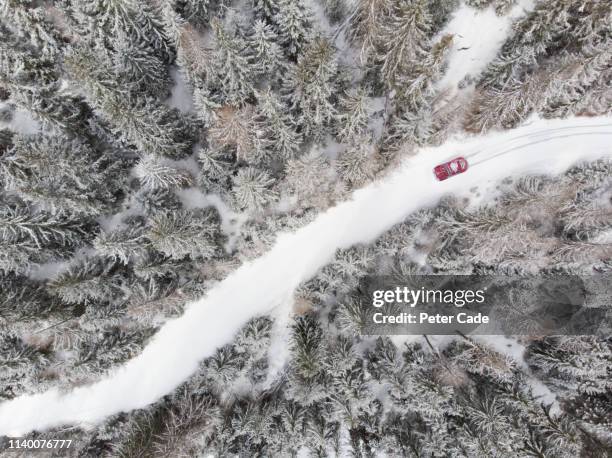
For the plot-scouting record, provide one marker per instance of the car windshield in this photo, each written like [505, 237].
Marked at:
[454, 166]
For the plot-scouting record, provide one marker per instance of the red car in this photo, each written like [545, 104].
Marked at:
[450, 168]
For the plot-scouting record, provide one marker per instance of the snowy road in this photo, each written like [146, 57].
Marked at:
[268, 282]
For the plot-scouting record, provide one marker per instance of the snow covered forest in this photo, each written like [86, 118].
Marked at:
[150, 149]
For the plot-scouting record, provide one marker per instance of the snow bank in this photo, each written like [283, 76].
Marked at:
[258, 287]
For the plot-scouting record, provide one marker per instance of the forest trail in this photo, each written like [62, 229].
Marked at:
[256, 288]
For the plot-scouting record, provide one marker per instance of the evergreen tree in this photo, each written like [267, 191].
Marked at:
[150, 126]
[235, 128]
[86, 281]
[181, 234]
[234, 70]
[31, 25]
[59, 175]
[19, 362]
[307, 346]
[121, 245]
[294, 25]
[251, 189]
[196, 11]
[104, 20]
[309, 177]
[313, 85]
[279, 136]
[357, 165]
[418, 88]
[354, 114]
[406, 38]
[266, 53]
[515, 83]
[29, 236]
[266, 9]
[154, 174]
[366, 25]
[139, 66]
[215, 168]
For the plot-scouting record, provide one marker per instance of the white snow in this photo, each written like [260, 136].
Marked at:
[22, 122]
[332, 148]
[315, 9]
[278, 351]
[258, 287]
[478, 35]
[181, 96]
[48, 270]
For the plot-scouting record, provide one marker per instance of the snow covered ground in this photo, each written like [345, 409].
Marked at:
[266, 284]
[21, 121]
[181, 96]
[478, 35]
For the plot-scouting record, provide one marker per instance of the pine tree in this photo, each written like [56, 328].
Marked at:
[31, 25]
[139, 66]
[195, 57]
[179, 234]
[366, 25]
[20, 223]
[234, 70]
[279, 136]
[33, 80]
[266, 53]
[206, 106]
[235, 128]
[576, 368]
[150, 126]
[357, 165]
[406, 38]
[252, 189]
[103, 20]
[154, 174]
[59, 175]
[86, 281]
[294, 24]
[223, 367]
[56, 108]
[266, 9]
[19, 362]
[313, 85]
[418, 88]
[307, 357]
[354, 114]
[121, 245]
[196, 11]
[309, 177]
[587, 72]
[409, 127]
[352, 315]
[515, 83]
[215, 168]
